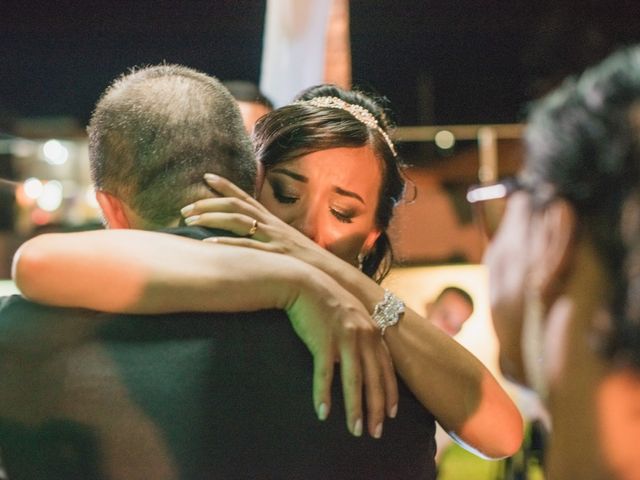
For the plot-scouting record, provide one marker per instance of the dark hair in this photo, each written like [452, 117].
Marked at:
[245, 91]
[157, 130]
[583, 146]
[458, 291]
[298, 129]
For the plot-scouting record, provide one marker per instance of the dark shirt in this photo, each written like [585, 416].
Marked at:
[225, 396]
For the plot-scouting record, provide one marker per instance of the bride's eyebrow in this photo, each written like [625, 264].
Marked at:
[349, 193]
[289, 173]
[302, 178]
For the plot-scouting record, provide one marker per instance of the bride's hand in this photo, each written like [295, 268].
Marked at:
[256, 227]
[345, 331]
[334, 326]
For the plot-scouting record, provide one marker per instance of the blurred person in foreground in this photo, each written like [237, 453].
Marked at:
[565, 269]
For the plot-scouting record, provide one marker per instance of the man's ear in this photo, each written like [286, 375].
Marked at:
[113, 210]
[553, 247]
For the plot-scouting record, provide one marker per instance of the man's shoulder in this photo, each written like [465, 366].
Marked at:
[26, 326]
[17, 306]
[232, 327]
[22, 319]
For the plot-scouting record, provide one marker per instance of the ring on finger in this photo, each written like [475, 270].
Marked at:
[254, 228]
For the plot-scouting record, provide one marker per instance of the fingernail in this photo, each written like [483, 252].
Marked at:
[186, 210]
[378, 431]
[357, 428]
[211, 240]
[394, 411]
[192, 219]
[211, 177]
[322, 411]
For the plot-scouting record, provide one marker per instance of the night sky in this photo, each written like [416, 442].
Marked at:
[481, 61]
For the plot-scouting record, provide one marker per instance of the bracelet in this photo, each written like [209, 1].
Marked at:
[388, 311]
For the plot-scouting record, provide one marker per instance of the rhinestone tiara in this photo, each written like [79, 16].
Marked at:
[360, 113]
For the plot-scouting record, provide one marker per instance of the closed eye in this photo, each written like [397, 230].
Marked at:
[344, 217]
[282, 195]
[284, 198]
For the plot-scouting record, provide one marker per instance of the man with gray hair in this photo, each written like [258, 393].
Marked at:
[156, 132]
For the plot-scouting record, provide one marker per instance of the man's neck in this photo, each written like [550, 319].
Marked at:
[143, 225]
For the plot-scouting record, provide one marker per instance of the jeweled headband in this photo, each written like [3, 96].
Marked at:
[360, 113]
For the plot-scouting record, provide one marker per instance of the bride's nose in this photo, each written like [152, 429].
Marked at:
[309, 224]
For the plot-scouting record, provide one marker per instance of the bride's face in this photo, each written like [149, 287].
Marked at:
[331, 196]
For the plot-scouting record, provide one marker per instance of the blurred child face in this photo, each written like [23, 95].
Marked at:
[450, 312]
[331, 196]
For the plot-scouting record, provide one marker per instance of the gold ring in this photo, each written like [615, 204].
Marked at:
[253, 229]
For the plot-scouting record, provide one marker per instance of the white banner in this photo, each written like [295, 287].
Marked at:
[293, 55]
